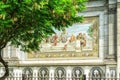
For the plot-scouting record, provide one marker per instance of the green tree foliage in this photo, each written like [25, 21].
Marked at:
[26, 23]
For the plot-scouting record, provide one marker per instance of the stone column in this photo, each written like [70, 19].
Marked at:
[118, 38]
[112, 27]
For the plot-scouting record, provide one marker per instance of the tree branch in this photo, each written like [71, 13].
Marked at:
[5, 64]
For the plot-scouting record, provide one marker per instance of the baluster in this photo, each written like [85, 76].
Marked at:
[51, 76]
[119, 76]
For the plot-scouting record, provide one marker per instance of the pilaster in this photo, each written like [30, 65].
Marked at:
[118, 38]
[112, 27]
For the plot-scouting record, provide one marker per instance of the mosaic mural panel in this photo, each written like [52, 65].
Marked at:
[78, 40]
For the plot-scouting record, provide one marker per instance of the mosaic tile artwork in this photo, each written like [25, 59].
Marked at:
[78, 40]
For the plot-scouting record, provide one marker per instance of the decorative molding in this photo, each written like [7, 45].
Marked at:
[96, 72]
[27, 74]
[43, 73]
[60, 73]
[77, 72]
[13, 61]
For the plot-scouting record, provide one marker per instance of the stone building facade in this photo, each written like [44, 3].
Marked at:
[103, 62]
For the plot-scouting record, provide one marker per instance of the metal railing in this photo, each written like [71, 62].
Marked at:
[44, 78]
[56, 78]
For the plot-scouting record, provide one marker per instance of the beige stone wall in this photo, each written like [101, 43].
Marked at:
[118, 37]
